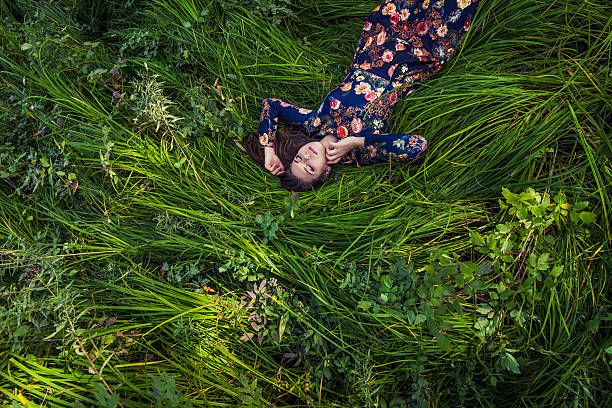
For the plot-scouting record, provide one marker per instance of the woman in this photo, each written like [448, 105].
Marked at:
[403, 43]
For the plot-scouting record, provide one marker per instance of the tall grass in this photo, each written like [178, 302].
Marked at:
[163, 188]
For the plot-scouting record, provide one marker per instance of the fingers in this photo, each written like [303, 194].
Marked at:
[334, 158]
[276, 168]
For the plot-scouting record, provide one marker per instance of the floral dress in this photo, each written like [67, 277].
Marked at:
[403, 43]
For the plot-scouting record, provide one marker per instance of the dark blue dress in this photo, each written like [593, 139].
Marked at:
[403, 43]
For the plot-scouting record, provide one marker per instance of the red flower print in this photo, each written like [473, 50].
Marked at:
[442, 30]
[400, 47]
[369, 41]
[382, 37]
[367, 26]
[392, 70]
[466, 25]
[395, 18]
[405, 14]
[370, 96]
[387, 56]
[347, 86]
[422, 27]
[334, 104]
[356, 125]
[341, 132]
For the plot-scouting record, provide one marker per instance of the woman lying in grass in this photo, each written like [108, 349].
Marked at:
[402, 44]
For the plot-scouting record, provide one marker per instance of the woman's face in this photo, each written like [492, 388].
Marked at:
[309, 162]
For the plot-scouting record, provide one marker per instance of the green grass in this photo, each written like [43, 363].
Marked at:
[131, 230]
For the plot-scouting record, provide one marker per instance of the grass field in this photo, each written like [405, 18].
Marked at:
[146, 261]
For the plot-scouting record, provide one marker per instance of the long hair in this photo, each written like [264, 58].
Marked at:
[287, 145]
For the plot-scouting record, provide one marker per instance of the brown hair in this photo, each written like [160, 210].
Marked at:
[287, 145]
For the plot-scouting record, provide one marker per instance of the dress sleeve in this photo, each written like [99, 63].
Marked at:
[272, 110]
[383, 148]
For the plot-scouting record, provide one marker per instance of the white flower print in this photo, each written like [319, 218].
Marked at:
[399, 143]
[454, 16]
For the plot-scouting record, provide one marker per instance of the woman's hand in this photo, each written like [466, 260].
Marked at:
[272, 162]
[337, 150]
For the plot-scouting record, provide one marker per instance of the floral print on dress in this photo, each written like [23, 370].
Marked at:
[402, 44]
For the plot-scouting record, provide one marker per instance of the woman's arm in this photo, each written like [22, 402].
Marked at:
[371, 148]
[383, 148]
[271, 111]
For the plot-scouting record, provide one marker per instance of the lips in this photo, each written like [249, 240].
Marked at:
[313, 151]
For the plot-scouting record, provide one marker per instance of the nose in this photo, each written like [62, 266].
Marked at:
[307, 155]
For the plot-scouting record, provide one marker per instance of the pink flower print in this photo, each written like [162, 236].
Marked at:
[420, 52]
[442, 30]
[417, 141]
[396, 84]
[387, 56]
[389, 9]
[400, 47]
[334, 104]
[395, 18]
[405, 14]
[371, 151]
[341, 132]
[367, 26]
[370, 96]
[117, 95]
[362, 88]
[356, 125]
[392, 70]
[382, 37]
[393, 98]
[422, 28]
[347, 86]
